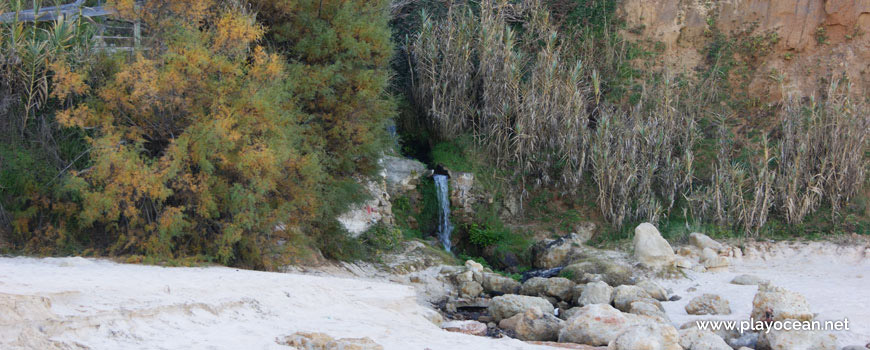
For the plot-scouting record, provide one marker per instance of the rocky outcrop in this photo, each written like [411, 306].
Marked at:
[708, 304]
[650, 249]
[360, 217]
[402, 175]
[462, 198]
[647, 336]
[772, 303]
[502, 307]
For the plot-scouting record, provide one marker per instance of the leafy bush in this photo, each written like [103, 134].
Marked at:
[483, 236]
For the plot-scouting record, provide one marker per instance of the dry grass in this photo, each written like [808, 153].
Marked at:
[642, 160]
[821, 154]
[534, 102]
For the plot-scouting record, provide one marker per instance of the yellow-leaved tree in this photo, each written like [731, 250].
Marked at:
[198, 147]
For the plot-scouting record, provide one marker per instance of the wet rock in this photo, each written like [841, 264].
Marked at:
[466, 327]
[544, 273]
[772, 303]
[708, 304]
[507, 305]
[749, 280]
[536, 325]
[697, 339]
[595, 293]
[650, 249]
[647, 336]
[654, 290]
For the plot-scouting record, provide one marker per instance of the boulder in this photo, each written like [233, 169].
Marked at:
[703, 241]
[772, 303]
[697, 339]
[507, 305]
[624, 295]
[568, 313]
[470, 289]
[654, 290]
[595, 293]
[649, 336]
[510, 322]
[560, 288]
[536, 325]
[476, 270]
[722, 332]
[612, 272]
[797, 340]
[462, 198]
[646, 308]
[708, 304]
[598, 324]
[746, 339]
[535, 286]
[553, 253]
[650, 249]
[749, 280]
[497, 284]
[713, 261]
[466, 327]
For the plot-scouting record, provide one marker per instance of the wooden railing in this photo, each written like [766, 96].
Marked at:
[107, 38]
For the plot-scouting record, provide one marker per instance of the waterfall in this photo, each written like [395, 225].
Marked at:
[444, 225]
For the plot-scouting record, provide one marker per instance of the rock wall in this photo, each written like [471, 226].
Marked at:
[814, 38]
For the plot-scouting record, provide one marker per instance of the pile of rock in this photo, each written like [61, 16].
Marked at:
[596, 300]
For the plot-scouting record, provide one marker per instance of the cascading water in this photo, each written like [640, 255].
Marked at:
[445, 228]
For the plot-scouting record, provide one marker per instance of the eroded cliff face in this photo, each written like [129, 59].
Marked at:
[802, 40]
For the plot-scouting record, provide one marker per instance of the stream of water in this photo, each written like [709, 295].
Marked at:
[445, 228]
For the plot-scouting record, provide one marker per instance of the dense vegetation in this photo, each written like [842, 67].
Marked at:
[227, 136]
[236, 131]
